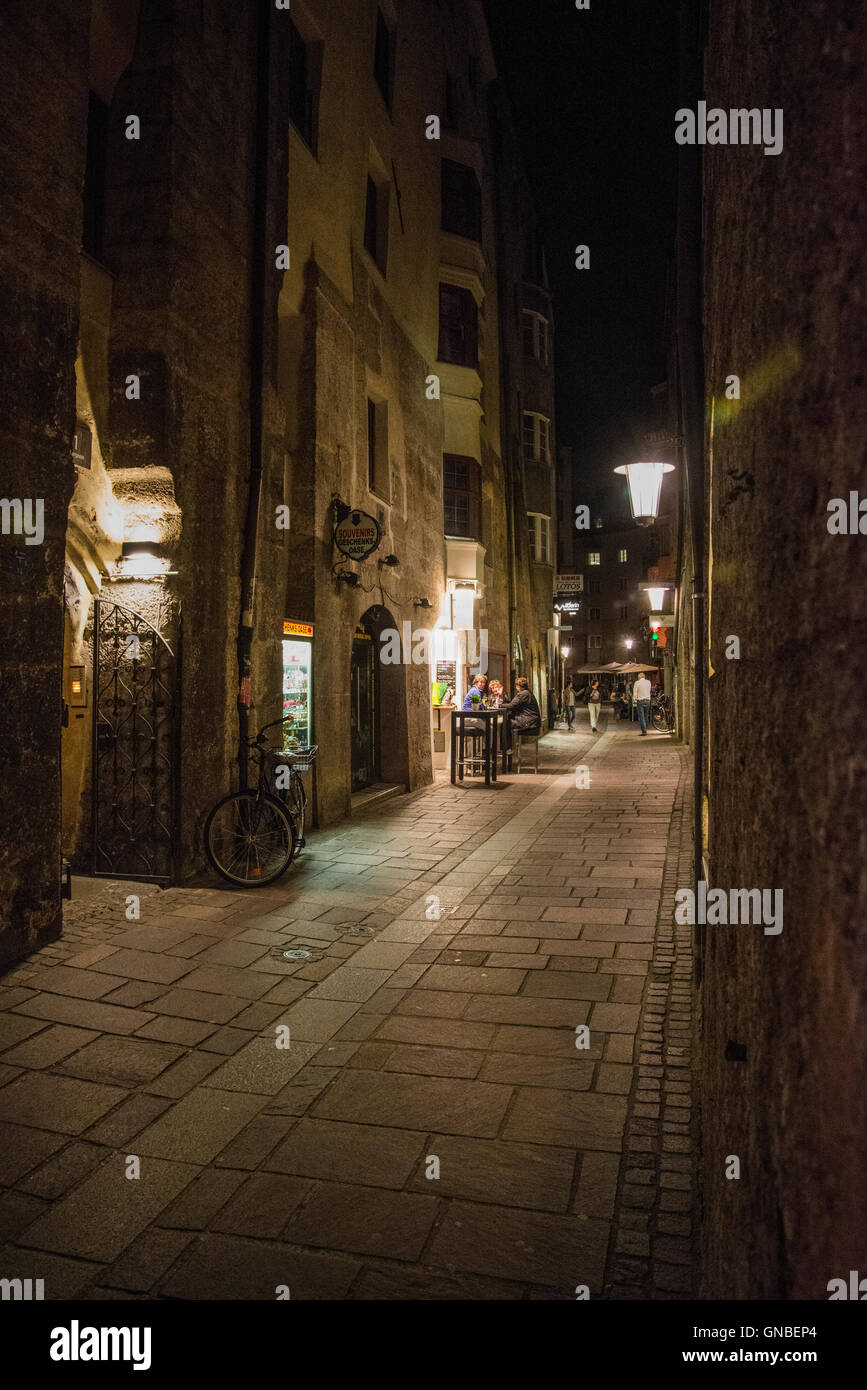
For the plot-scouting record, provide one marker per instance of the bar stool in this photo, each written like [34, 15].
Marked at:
[520, 739]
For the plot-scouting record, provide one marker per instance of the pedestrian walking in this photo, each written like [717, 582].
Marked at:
[569, 704]
[641, 691]
[594, 700]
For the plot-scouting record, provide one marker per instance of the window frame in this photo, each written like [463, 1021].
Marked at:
[307, 128]
[536, 444]
[539, 335]
[463, 327]
[539, 537]
[466, 200]
[378, 479]
[383, 27]
[471, 492]
[594, 558]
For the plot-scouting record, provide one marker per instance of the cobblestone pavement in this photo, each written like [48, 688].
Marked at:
[419, 1043]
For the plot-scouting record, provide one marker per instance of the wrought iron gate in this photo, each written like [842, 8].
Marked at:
[134, 680]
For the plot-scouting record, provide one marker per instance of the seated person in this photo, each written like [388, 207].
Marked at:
[478, 687]
[522, 711]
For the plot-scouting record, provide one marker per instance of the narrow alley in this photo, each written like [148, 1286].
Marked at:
[442, 1124]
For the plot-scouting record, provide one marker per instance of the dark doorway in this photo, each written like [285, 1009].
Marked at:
[363, 697]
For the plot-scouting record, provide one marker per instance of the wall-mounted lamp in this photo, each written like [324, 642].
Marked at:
[422, 603]
[141, 560]
[348, 576]
[390, 560]
[656, 591]
[645, 485]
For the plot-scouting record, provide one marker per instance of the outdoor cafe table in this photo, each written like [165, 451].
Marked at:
[490, 719]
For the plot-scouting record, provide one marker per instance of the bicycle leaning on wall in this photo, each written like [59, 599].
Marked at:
[253, 835]
[662, 714]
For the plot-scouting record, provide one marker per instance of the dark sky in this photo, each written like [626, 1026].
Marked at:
[594, 94]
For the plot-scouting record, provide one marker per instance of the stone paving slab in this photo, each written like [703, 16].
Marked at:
[433, 1130]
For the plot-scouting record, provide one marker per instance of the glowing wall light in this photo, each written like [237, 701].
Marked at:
[645, 484]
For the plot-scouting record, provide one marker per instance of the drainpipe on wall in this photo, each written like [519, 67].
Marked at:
[691, 374]
[258, 252]
[506, 393]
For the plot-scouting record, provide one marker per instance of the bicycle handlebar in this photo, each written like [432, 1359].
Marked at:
[260, 737]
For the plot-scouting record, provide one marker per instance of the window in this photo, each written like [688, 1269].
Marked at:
[459, 327]
[595, 615]
[462, 492]
[376, 222]
[623, 610]
[594, 586]
[302, 94]
[622, 584]
[621, 557]
[539, 533]
[377, 449]
[383, 58]
[535, 329]
[595, 641]
[461, 200]
[594, 557]
[537, 442]
[93, 230]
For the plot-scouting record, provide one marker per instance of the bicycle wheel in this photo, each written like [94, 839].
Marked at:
[659, 720]
[296, 802]
[250, 838]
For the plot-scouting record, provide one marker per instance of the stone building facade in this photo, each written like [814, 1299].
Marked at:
[784, 1024]
[251, 287]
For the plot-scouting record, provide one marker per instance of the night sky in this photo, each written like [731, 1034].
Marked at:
[594, 94]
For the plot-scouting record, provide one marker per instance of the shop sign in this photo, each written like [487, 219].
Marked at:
[291, 629]
[569, 584]
[564, 604]
[357, 535]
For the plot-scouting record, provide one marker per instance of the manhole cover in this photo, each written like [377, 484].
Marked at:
[299, 954]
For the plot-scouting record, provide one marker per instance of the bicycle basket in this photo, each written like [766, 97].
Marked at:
[300, 759]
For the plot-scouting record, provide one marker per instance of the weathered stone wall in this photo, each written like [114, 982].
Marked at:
[43, 114]
[784, 310]
[348, 343]
[179, 240]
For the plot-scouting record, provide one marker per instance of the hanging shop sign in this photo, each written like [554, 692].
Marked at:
[564, 604]
[357, 535]
[291, 629]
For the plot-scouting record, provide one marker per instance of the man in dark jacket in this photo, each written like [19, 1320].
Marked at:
[522, 711]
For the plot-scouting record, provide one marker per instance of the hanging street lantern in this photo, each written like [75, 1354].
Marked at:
[645, 484]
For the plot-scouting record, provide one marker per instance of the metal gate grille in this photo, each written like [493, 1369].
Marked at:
[133, 747]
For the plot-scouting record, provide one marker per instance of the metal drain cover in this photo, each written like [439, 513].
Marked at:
[299, 954]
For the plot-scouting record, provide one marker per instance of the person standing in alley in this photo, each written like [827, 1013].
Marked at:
[569, 704]
[594, 700]
[641, 695]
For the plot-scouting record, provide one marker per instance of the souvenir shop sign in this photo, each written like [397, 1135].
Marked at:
[357, 535]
